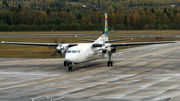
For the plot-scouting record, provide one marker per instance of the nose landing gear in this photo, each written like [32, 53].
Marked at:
[69, 65]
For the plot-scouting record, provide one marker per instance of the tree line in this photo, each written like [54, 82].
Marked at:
[102, 4]
[139, 18]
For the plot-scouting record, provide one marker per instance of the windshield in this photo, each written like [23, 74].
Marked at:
[73, 51]
[69, 51]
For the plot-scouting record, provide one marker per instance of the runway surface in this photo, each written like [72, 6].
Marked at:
[84, 35]
[143, 73]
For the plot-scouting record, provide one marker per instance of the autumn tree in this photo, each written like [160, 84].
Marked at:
[164, 19]
[83, 19]
[88, 19]
[70, 17]
[95, 18]
[151, 18]
[136, 21]
[177, 19]
[158, 13]
[120, 19]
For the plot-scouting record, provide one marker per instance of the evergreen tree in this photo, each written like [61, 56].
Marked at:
[175, 11]
[79, 16]
[59, 9]
[68, 10]
[5, 3]
[19, 8]
[145, 9]
[99, 3]
[165, 10]
[34, 3]
[152, 10]
[48, 11]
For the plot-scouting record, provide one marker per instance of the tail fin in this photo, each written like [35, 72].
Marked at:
[105, 29]
[104, 37]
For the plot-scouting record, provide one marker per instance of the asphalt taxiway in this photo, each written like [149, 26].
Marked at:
[143, 73]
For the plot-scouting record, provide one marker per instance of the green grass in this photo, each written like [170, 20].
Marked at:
[119, 32]
[26, 51]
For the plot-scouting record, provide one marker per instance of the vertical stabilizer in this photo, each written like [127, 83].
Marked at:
[104, 37]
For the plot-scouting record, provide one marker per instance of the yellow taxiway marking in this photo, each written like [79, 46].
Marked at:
[78, 73]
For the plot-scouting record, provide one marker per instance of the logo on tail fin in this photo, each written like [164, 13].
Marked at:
[106, 24]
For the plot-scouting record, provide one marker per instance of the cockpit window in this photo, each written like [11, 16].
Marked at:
[69, 51]
[74, 51]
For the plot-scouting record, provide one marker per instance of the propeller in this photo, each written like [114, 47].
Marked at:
[56, 52]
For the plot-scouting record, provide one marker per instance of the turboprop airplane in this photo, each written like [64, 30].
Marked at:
[76, 53]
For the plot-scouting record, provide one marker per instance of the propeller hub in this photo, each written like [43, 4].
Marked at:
[59, 47]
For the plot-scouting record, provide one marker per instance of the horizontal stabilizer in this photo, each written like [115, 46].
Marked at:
[118, 40]
[87, 40]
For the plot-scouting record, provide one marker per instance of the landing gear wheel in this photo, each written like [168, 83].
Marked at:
[65, 63]
[110, 63]
[70, 68]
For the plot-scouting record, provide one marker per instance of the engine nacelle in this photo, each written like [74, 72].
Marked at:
[113, 49]
[59, 51]
[104, 51]
[109, 49]
[62, 48]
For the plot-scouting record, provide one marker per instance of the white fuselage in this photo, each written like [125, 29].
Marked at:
[82, 53]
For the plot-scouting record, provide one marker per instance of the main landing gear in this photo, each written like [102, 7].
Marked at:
[109, 63]
[70, 68]
[69, 65]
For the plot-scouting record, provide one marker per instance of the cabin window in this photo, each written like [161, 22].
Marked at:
[78, 51]
[74, 51]
[69, 51]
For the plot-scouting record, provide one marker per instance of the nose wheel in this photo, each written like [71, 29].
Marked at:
[65, 63]
[70, 66]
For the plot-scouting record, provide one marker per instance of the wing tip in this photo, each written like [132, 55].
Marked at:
[2, 41]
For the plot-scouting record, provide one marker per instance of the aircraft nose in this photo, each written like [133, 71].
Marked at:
[70, 58]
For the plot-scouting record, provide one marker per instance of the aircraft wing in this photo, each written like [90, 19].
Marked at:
[37, 44]
[117, 40]
[140, 43]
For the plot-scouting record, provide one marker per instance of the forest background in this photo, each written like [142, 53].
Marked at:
[75, 15]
